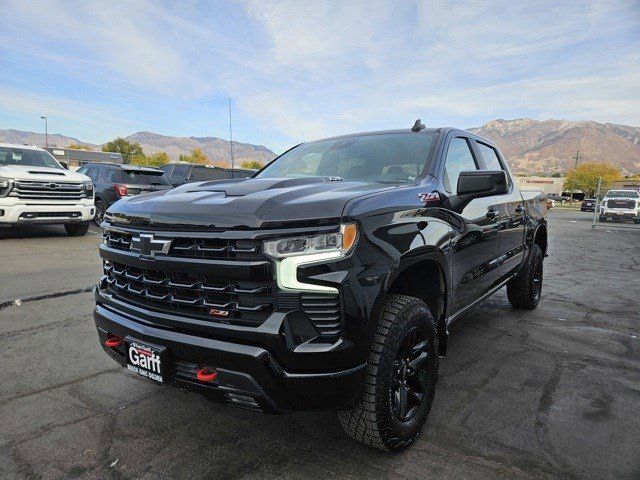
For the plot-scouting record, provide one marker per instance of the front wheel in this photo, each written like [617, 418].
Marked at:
[400, 380]
[100, 209]
[525, 290]
[77, 229]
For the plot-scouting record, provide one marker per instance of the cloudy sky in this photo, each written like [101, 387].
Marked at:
[301, 70]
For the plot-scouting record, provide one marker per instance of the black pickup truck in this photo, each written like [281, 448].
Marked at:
[328, 281]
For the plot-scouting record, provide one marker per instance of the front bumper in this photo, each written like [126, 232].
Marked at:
[620, 213]
[22, 214]
[249, 376]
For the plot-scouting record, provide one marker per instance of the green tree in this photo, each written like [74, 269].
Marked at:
[156, 160]
[77, 146]
[255, 164]
[196, 157]
[585, 177]
[126, 148]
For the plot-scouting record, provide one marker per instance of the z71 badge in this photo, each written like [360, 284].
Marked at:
[433, 197]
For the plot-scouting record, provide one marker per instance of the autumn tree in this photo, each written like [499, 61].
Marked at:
[155, 160]
[196, 156]
[77, 146]
[585, 177]
[127, 149]
[252, 164]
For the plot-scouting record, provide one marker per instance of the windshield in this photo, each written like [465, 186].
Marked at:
[623, 193]
[27, 157]
[385, 158]
[144, 178]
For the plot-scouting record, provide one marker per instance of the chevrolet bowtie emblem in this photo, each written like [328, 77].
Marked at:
[148, 245]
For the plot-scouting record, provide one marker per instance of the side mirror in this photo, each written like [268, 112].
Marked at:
[478, 184]
[65, 165]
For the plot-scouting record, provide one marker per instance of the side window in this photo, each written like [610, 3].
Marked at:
[490, 157]
[179, 172]
[459, 159]
[201, 174]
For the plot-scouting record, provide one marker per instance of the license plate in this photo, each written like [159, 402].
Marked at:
[145, 360]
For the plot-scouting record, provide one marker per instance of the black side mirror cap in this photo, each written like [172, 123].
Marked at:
[478, 184]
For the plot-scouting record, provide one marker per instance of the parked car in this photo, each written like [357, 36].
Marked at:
[550, 203]
[326, 282]
[115, 181]
[181, 173]
[620, 205]
[562, 199]
[588, 205]
[36, 189]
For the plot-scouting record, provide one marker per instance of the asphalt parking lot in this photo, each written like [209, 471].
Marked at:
[553, 393]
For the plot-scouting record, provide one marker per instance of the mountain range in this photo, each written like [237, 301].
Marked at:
[216, 149]
[537, 147]
[550, 146]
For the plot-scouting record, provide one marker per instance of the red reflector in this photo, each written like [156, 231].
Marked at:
[206, 375]
[113, 341]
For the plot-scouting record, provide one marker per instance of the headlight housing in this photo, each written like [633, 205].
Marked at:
[6, 184]
[88, 187]
[337, 243]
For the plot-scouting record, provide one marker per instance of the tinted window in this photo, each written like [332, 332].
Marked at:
[458, 159]
[366, 158]
[179, 173]
[167, 169]
[132, 177]
[201, 174]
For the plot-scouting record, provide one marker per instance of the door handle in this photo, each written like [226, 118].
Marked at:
[520, 209]
[493, 213]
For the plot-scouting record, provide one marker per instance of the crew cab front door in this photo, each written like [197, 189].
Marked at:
[476, 245]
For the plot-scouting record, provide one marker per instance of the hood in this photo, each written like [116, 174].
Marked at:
[244, 203]
[46, 174]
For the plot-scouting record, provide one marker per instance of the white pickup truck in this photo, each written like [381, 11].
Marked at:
[36, 189]
[620, 205]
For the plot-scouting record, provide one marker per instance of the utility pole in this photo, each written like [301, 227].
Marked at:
[46, 131]
[575, 165]
[230, 136]
[577, 158]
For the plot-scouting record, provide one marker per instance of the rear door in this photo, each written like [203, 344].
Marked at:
[512, 217]
[475, 247]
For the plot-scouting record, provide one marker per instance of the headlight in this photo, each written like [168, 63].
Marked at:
[291, 253]
[88, 187]
[339, 242]
[6, 184]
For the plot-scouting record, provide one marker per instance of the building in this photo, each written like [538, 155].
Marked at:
[626, 184]
[548, 185]
[77, 158]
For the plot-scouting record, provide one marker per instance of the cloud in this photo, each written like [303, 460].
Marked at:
[303, 70]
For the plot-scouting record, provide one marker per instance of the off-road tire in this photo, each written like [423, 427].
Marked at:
[372, 420]
[77, 229]
[523, 291]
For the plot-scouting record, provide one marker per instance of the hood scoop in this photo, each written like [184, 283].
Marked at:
[36, 172]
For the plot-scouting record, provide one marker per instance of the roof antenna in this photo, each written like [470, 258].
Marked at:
[418, 126]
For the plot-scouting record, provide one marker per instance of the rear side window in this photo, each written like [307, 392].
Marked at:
[459, 159]
[179, 172]
[201, 174]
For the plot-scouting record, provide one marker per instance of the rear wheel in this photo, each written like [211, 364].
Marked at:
[525, 290]
[400, 380]
[77, 229]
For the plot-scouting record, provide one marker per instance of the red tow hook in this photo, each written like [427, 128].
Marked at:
[206, 374]
[113, 341]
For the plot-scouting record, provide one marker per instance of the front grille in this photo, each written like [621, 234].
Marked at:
[32, 190]
[203, 296]
[626, 204]
[324, 311]
[32, 215]
[196, 248]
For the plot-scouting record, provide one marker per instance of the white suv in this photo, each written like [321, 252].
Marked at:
[620, 205]
[35, 188]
